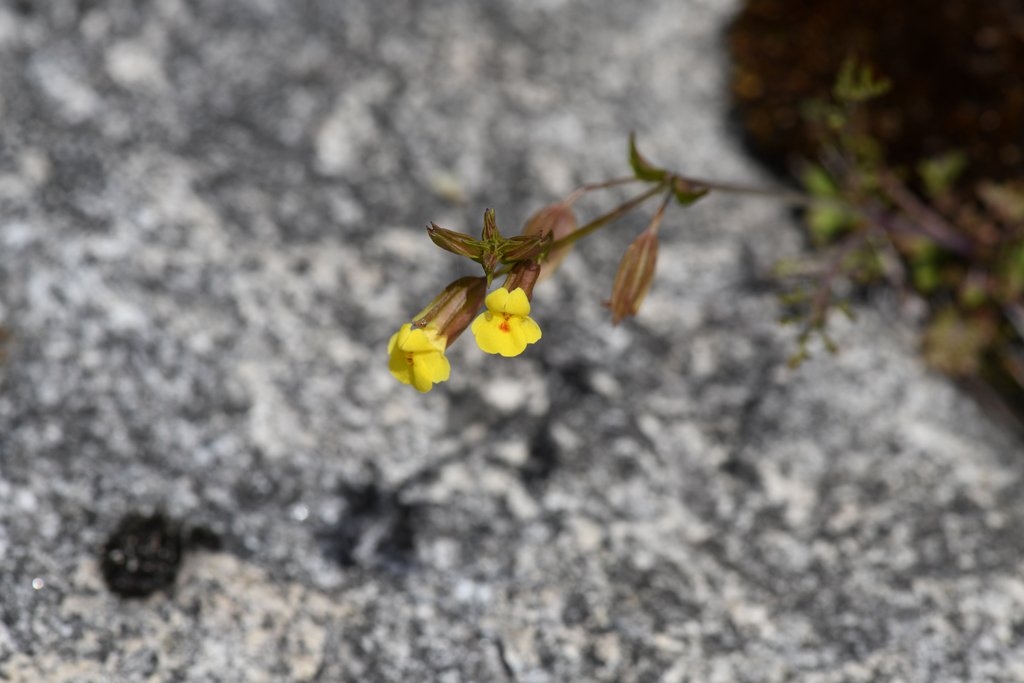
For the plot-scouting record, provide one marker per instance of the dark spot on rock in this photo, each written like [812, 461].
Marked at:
[144, 553]
[577, 376]
[142, 556]
[576, 610]
[377, 528]
[202, 538]
[543, 457]
[741, 470]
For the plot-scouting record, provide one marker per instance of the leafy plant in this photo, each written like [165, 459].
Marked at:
[915, 229]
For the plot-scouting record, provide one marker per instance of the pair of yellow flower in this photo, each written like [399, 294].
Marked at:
[505, 328]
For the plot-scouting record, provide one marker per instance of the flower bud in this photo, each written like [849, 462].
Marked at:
[490, 231]
[455, 242]
[454, 308]
[524, 248]
[558, 221]
[636, 272]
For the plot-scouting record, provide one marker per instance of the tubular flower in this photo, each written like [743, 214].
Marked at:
[417, 356]
[506, 326]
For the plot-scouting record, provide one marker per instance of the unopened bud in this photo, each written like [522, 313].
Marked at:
[455, 242]
[558, 221]
[524, 248]
[490, 231]
[454, 308]
[636, 272]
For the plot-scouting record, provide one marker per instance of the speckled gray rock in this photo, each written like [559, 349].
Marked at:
[211, 221]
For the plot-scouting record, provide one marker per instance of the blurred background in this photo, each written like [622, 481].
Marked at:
[211, 221]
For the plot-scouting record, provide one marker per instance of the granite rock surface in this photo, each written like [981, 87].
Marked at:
[211, 221]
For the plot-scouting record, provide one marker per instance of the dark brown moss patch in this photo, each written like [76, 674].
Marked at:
[957, 68]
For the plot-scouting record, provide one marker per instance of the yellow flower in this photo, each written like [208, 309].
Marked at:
[506, 326]
[417, 356]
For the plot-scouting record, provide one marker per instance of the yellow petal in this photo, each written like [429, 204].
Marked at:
[416, 356]
[400, 367]
[518, 303]
[504, 334]
[429, 368]
[531, 330]
[485, 330]
[496, 300]
[420, 340]
[503, 301]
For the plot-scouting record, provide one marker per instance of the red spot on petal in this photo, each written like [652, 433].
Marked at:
[503, 325]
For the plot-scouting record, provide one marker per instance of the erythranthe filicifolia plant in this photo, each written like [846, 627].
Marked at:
[869, 222]
[504, 327]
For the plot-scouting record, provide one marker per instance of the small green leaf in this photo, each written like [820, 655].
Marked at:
[973, 293]
[926, 277]
[856, 82]
[827, 221]
[818, 182]
[642, 168]
[687, 192]
[939, 173]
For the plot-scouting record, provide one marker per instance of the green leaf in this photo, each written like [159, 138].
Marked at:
[828, 221]
[687, 192]
[642, 168]
[818, 182]
[926, 277]
[939, 173]
[856, 82]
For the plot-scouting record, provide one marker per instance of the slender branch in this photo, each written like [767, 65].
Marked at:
[929, 221]
[786, 196]
[590, 187]
[823, 294]
[660, 213]
[612, 215]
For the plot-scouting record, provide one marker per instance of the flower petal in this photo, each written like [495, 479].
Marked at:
[400, 367]
[517, 303]
[531, 330]
[420, 340]
[433, 366]
[487, 332]
[497, 300]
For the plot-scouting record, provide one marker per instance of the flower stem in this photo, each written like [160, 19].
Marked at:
[660, 213]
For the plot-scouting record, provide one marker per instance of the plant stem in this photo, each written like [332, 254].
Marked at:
[927, 220]
[590, 187]
[660, 213]
[785, 196]
[612, 215]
